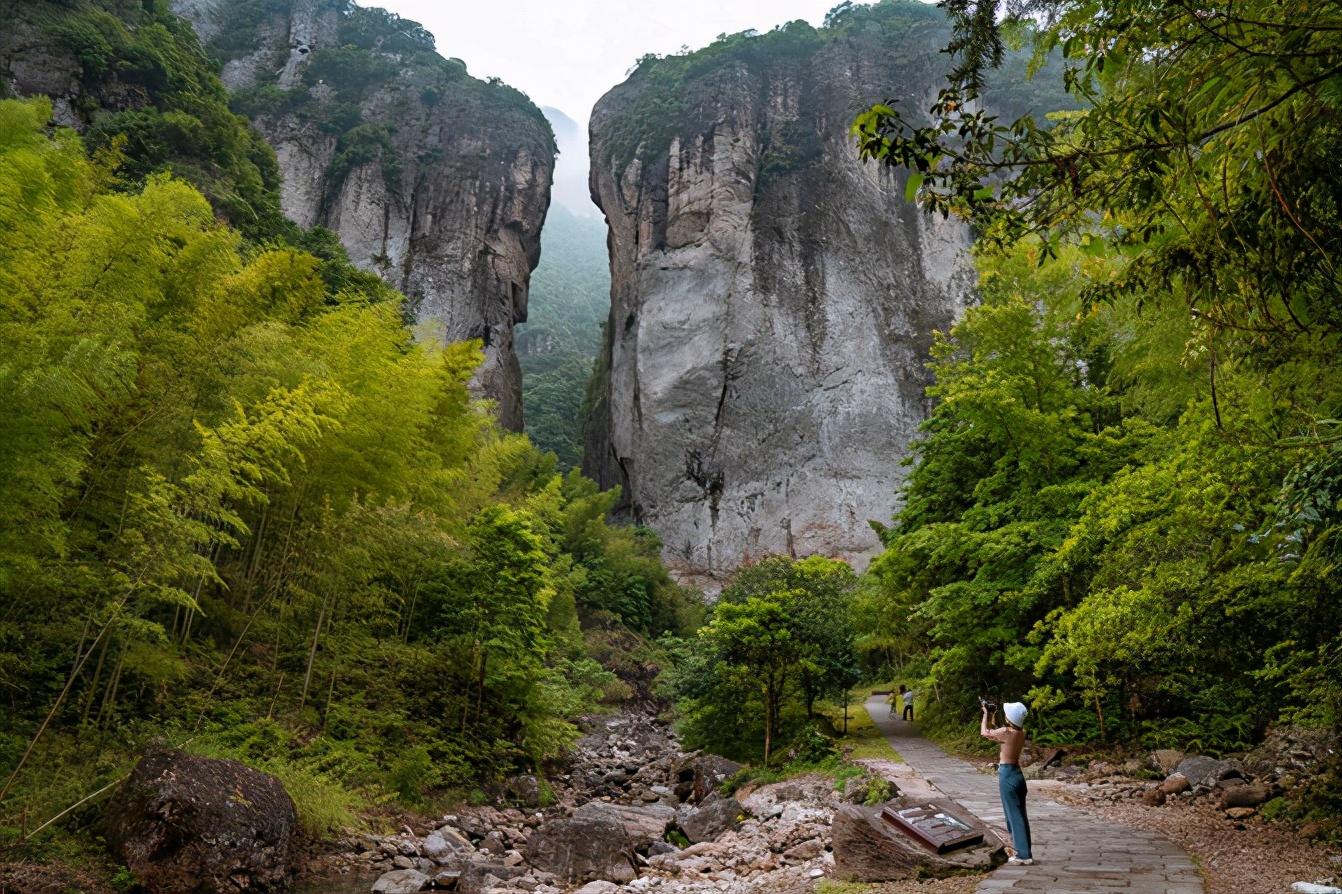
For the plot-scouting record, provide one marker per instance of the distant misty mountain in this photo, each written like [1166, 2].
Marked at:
[570, 183]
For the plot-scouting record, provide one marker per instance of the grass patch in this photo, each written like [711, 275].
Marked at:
[830, 886]
[863, 740]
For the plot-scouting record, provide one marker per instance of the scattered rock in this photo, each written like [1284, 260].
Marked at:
[1153, 797]
[1240, 813]
[1248, 795]
[401, 881]
[185, 823]
[524, 790]
[598, 887]
[1166, 760]
[711, 819]
[705, 772]
[1052, 758]
[807, 850]
[1174, 784]
[581, 849]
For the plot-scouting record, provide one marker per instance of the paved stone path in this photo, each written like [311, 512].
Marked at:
[1074, 851]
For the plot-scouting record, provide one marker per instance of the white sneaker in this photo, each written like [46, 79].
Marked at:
[1017, 861]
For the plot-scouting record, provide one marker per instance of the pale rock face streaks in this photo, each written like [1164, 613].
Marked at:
[457, 228]
[773, 301]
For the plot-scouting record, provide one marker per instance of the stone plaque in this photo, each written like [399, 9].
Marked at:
[933, 825]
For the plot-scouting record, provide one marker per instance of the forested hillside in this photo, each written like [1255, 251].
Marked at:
[1126, 504]
[569, 300]
[244, 511]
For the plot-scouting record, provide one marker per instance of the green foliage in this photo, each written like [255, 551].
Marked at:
[358, 146]
[878, 791]
[182, 122]
[1067, 535]
[567, 303]
[779, 638]
[361, 88]
[661, 106]
[241, 509]
[1169, 526]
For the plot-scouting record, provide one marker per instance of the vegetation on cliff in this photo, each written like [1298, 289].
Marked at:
[250, 514]
[906, 33]
[149, 88]
[375, 53]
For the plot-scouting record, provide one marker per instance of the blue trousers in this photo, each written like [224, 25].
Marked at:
[1011, 784]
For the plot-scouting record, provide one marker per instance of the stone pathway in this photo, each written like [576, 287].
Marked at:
[1075, 852]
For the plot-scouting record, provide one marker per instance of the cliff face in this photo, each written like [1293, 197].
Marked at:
[133, 75]
[435, 180]
[772, 297]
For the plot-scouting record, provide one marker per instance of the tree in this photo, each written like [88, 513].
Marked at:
[755, 642]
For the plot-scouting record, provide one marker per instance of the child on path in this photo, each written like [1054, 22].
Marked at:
[907, 696]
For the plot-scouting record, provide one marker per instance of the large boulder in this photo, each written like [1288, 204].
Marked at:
[1166, 760]
[1205, 772]
[701, 774]
[868, 849]
[401, 881]
[581, 849]
[1246, 795]
[710, 819]
[183, 823]
[643, 824]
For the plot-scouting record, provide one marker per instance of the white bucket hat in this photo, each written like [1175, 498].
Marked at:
[1015, 713]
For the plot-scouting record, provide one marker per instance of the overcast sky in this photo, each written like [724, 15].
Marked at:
[567, 53]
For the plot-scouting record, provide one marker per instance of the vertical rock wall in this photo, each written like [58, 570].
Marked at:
[772, 301]
[436, 181]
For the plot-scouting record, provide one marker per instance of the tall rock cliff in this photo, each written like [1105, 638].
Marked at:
[773, 298]
[133, 75]
[436, 180]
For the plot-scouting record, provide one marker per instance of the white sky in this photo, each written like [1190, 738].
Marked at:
[567, 53]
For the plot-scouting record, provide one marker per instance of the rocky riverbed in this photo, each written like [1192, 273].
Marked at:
[630, 812]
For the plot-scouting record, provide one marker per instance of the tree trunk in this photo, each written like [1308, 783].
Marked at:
[768, 725]
[1099, 715]
[312, 655]
[330, 695]
[270, 714]
[113, 684]
[93, 685]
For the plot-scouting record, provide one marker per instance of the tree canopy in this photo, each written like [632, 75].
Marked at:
[250, 513]
[1121, 502]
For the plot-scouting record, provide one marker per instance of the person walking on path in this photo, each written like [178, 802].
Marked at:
[907, 696]
[1010, 780]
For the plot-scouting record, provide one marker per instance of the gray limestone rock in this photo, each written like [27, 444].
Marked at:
[400, 881]
[1205, 772]
[643, 824]
[710, 820]
[448, 209]
[579, 849]
[773, 300]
